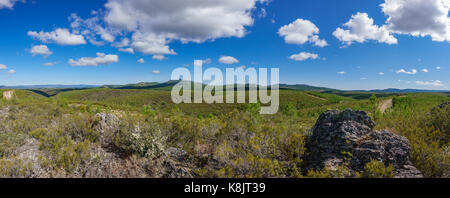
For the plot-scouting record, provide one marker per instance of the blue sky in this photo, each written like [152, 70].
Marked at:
[393, 52]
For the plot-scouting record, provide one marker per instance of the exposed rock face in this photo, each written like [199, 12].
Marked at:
[443, 105]
[340, 133]
[108, 125]
[8, 95]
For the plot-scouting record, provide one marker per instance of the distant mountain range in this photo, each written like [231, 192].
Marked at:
[169, 84]
[48, 87]
[393, 90]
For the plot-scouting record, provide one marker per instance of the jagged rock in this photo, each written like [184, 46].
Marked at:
[348, 135]
[29, 154]
[443, 105]
[176, 164]
[108, 125]
[176, 153]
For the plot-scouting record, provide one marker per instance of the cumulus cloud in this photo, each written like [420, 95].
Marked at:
[101, 59]
[151, 44]
[92, 28]
[438, 68]
[156, 72]
[158, 57]
[125, 42]
[341, 72]
[304, 56]
[41, 50]
[154, 24]
[59, 36]
[419, 18]
[301, 31]
[361, 28]
[127, 50]
[434, 83]
[12, 71]
[8, 3]
[142, 61]
[403, 71]
[228, 60]
[3, 67]
[195, 21]
[49, 64]
[425, 70]
[381, 74]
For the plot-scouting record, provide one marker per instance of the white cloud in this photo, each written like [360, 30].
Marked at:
[419, 18]
[151, 44]
[156, 72]
[49, 64]
[434, 83]
[125, 42]
[59, 36]
[301, 31]
[363, 78]
[158, 57]
[425, 70]
[154, 24]
[142, 61]
[92, 29]
[361, 28]
[8, 3]
[341, 72]
[403, 71]
[228, 60]
[12, 71]
[381, 74]
[41, 50]
[304, 56]
[187, 21]
[3, 67]
[438, 68]
[101, 59]
[127, 50]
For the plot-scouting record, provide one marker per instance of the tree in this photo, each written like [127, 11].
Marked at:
[374, 105]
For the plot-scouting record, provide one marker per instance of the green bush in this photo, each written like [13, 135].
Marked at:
[377, 169]
[142, 139]
[62, 151]
[289, 109]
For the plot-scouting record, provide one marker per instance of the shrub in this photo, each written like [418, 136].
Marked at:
[14, 168]
[62, 150]
[9, 141]
[289, 109]
[144, 140]
[377, 169]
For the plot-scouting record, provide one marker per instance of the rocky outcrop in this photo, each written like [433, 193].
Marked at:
[348, 135]
[444, 105]
[107, 127]
[8, 95]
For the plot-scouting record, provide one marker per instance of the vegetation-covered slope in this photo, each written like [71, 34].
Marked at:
[141, 132]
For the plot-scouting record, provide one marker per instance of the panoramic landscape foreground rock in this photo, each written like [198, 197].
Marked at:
[348, 135]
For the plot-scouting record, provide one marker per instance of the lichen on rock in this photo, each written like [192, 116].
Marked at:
[348, 135]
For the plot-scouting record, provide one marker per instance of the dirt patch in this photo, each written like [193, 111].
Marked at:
[316, 97]
[385, 105]
[8, 95]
